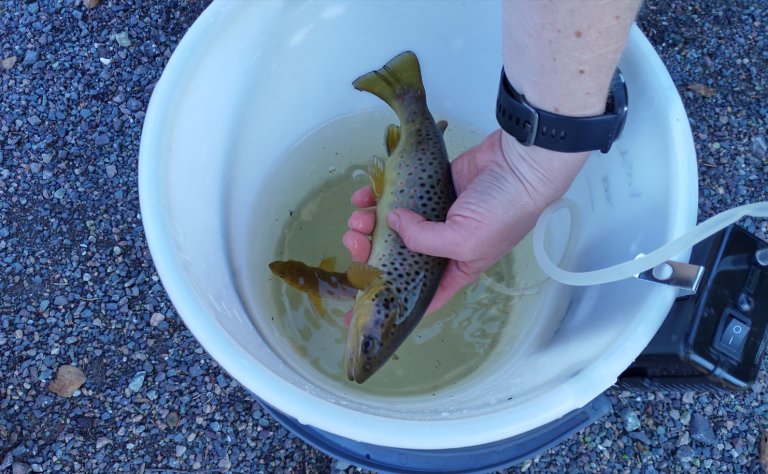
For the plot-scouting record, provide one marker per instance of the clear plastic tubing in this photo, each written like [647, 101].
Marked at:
[643, 262]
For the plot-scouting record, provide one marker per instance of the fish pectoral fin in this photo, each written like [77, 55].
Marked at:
[361, 275]
[328, 264]
[411, 295]
[442, 125]
[376, 175]
[392, 138]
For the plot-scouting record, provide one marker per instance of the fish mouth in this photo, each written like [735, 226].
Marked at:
[352, 356]
[350, 372]
[355, 375]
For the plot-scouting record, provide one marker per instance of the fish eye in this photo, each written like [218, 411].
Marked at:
[367, 344]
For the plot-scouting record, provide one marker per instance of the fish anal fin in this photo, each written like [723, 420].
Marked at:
[392, 138]
[442, 125]
[362, 276]
[317, 303]
[376, 175]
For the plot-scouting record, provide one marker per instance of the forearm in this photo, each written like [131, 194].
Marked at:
[561, 55]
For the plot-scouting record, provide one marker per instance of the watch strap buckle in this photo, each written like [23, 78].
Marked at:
[520, 118]
[530, 126]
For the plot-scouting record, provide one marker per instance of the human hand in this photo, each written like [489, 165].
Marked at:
[502, 188]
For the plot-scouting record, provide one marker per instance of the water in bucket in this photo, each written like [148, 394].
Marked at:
[447, 346]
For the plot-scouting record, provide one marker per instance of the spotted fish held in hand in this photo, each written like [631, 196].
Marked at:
[397, 284]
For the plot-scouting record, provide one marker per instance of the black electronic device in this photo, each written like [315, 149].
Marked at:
[715, 338]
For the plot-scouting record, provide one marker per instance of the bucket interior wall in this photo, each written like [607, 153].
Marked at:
[247, 93]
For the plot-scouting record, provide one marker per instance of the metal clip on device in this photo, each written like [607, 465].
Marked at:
[715, 333]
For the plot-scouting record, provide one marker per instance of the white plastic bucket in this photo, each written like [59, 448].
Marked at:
[250, 79]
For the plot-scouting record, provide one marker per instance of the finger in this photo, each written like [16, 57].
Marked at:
[347, 318]
[362, 221]
[363, 197]
[454, 280]
[358, 245]
[441, 239]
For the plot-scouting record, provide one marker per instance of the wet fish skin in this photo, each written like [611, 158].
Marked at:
[397, 285]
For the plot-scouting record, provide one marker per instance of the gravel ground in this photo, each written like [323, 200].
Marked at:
[77, 285]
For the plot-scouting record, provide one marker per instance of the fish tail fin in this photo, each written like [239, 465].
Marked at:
[400, 76]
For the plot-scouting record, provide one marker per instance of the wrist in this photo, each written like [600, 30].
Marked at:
[548, 173]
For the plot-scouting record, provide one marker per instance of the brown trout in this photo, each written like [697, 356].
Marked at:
[316, 282]
[397, 285]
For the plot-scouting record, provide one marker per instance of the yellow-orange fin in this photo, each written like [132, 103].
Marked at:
[361, 275]
[376, 175]
[392, 138]
[317, 303]
[400, 76]
[328, 264]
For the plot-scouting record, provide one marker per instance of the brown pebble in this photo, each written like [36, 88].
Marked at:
[68, 379]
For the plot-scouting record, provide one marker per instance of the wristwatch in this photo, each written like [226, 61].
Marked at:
[531, 126]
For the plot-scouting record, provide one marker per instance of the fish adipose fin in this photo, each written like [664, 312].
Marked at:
[392, 138]
[399, 77]
[442, 125]
[376, 176]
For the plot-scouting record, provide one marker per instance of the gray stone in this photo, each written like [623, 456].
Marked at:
[631, 421]
[123, 39]
[7, 460]
[137, 381]
[685, 454]
[133, 105]
[30, 57]
[640, 436]
[701, 430]
[102, 441]
[21, 468]
[759, 146]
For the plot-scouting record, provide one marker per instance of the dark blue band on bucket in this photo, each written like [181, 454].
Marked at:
[481, 459]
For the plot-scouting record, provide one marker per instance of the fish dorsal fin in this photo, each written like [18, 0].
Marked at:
[442, 125]
[392, 138]
[376, 175]
[328, 264]
[361, 275]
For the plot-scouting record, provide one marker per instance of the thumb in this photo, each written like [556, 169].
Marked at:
[439, 239]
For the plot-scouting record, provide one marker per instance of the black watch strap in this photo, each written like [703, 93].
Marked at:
[531, 126]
